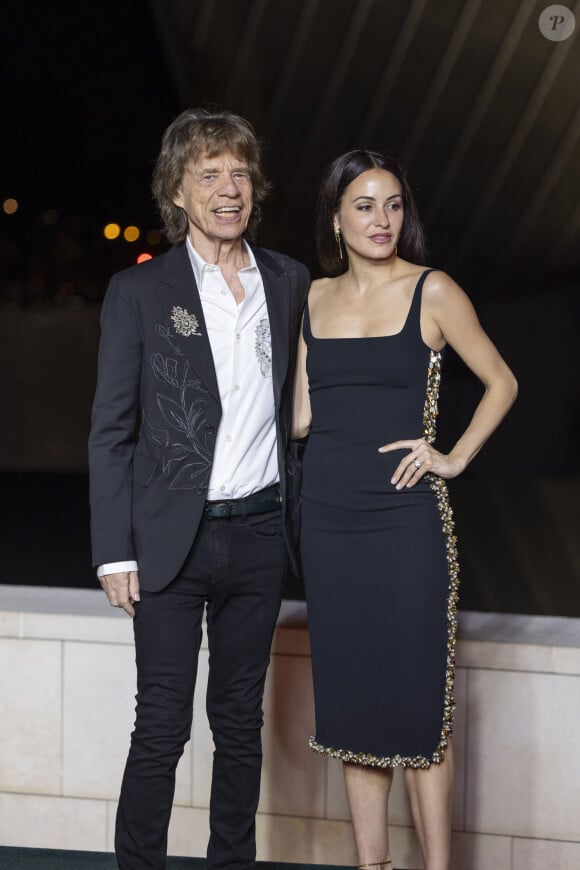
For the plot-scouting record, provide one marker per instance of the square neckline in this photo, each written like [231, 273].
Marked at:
[417, 294]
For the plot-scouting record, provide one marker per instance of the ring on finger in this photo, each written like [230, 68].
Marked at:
[417, 463]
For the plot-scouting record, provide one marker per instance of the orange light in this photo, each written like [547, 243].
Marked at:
[10, 206]
[131, 234]
[112, 231]
[153, 237]
[143, 257]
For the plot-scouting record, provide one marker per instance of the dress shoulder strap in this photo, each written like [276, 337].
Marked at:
[306, 330]
[414, 315]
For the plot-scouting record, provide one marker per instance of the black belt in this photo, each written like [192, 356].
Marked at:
[261, 502]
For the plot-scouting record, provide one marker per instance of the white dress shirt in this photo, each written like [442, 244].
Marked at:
[245, 457]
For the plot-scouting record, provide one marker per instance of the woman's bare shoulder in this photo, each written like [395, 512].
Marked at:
[407, 269]
[407, 275]
[321, 284]
[440, 288]
[320, 288]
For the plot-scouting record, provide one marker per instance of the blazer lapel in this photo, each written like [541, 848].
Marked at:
[183, 291]
[277, 300]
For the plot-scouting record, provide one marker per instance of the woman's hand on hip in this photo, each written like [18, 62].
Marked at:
[421, 459]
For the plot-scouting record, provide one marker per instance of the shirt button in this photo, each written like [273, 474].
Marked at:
[238, 335]
[210, 430]
[222, 488]
[223, 292]
[229, 438]
[237, 387]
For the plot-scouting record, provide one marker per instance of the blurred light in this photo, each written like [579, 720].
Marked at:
[131, 234]
[142, 258]
[49, 217]
[153, 237]
[10, 206]
[112, 231]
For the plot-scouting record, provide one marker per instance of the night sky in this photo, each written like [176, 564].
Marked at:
[87, 95]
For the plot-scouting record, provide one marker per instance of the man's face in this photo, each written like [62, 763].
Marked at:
[217, 196]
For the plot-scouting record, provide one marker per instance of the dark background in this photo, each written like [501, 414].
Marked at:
[87, 92]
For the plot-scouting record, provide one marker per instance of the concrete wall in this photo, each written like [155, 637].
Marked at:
[66, 711]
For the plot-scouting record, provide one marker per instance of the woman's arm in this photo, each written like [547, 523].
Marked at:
[301, 413]
[448, 316]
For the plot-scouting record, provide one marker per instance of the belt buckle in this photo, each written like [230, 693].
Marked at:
[219, 509]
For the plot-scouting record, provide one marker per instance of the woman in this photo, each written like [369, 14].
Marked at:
[377, 544]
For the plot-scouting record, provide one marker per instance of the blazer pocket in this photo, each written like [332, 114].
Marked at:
[143, 469]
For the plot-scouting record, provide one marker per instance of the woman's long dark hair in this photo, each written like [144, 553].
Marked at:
[340, 173]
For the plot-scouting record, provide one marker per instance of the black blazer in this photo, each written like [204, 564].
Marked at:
[157, 410]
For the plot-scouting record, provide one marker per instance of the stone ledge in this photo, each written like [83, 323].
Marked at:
[518, 697]
[497, 641]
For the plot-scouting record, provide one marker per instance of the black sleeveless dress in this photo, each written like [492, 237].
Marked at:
[380, 565]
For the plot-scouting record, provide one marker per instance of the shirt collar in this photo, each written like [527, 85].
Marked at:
[199, 265]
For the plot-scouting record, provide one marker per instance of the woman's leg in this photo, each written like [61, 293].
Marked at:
[368, 790]
[430, 795]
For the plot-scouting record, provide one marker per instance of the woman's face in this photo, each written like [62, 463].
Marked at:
[370, 215]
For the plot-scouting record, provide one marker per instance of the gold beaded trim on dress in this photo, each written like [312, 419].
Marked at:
[439, 487]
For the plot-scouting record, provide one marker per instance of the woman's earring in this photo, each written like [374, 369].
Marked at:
[337, 237]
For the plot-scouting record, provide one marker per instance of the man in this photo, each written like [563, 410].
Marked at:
[191, 496]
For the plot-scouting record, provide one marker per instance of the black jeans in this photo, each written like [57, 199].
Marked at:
[236, 569]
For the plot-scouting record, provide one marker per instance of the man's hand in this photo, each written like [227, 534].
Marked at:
[122, 589]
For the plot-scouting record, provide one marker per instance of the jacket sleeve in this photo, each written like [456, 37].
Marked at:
[113, 428]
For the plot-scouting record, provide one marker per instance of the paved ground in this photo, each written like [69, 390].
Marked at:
[56, 859]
